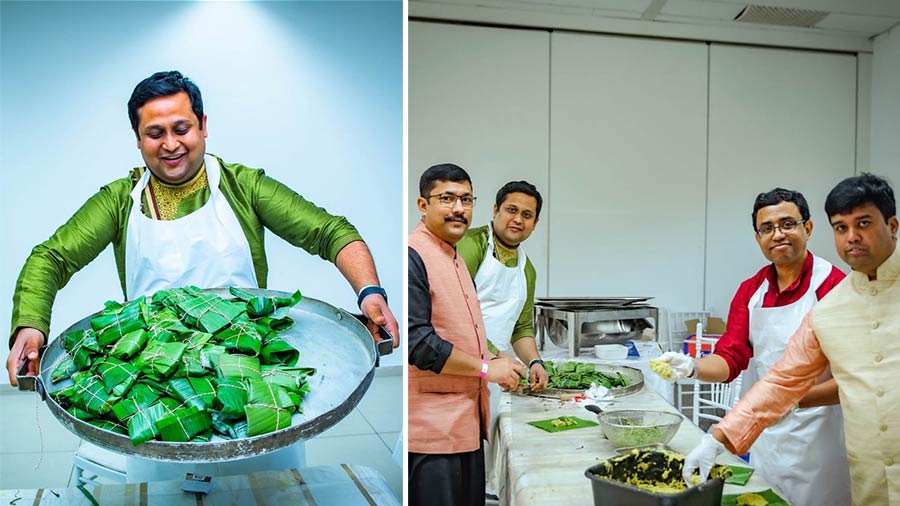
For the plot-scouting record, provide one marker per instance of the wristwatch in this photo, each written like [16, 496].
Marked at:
[535, 361]
[368, 290]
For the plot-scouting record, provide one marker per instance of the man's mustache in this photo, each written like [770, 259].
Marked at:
[461, 219]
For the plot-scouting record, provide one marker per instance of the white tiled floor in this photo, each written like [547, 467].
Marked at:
[366, 436]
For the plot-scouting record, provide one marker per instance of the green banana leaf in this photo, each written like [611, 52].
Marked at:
[164, 325]
[160, 359]
[142, 426]
[297, 399]
[258, 305]
[81, 414]
[193, 392]
[114, 322]
[197, 340]
[191, 365]
[232, 394]
[238, 366]
[110, 426]
[276, 324]
[183, 424]
[269, 408]
[118, 376]
[278, 351]
[82, 347]
[221, 425]
[130, 344]
[139, 397]
[208, 311]
[291, 379]
[242, 336]
[63, 370]
[90, 394]
[209, 356]
[203, 437]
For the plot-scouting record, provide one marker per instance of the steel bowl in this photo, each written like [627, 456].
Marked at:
[635, 427]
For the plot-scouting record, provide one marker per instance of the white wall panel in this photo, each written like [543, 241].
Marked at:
[885, 102]
[628, 168]
[777, 118]
[479, 98]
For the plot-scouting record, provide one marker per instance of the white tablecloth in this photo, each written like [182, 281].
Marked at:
[534, 467]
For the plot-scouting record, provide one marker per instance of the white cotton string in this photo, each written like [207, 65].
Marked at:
[37, 422]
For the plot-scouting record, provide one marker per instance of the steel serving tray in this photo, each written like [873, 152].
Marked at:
[330, 339]
[634, 376]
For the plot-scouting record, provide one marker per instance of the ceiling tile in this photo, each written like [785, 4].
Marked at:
[868, 25]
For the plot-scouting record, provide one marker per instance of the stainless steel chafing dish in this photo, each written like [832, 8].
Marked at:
[576, 323]
[332, 340]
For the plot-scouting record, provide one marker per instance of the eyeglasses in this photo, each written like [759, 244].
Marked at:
[785, 227]
[449, 199]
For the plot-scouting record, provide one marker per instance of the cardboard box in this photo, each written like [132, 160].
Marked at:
[715, 327]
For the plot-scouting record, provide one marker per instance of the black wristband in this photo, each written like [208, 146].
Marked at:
[366, 291]
[535, 361]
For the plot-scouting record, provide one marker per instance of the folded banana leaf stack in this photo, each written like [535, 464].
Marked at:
[185, 364]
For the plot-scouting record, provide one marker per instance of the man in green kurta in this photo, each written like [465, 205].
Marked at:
[505, 277]
[187, 217]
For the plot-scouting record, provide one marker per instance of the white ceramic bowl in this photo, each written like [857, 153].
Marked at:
[611, 351]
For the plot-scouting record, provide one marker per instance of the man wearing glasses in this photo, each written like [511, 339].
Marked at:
[803, 454]
[449, 362]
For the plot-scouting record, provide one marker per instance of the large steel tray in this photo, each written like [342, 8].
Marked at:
[634, 376]
[330, 339]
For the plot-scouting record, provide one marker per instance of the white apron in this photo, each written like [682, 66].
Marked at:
[803, 454]
[501, 293]
[208, 249]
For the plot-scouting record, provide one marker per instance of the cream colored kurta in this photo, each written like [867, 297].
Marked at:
[856, 328]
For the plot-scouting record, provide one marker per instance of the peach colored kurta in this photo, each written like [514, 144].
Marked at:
[855, 329]
[447, 413]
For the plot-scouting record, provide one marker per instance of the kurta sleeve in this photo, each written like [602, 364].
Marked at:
[780, 389]
[427, 350]
[299, 221]
[53, 262]
[734, 345]
[473, 248]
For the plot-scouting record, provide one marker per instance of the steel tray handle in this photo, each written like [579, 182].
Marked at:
[29, 383]
[385, 344]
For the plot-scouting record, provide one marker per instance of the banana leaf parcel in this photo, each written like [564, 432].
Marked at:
[117, 320]
[269, 408]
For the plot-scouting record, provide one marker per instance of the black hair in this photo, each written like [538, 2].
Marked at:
[776, 196]
[441, 172]
[163, 84]
[861, 190]
[520, 187]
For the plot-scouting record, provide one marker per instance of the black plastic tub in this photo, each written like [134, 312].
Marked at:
[608, 481]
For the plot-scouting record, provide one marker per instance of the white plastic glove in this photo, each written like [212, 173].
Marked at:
[672, 366]
[596, 392]
[702, 457]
